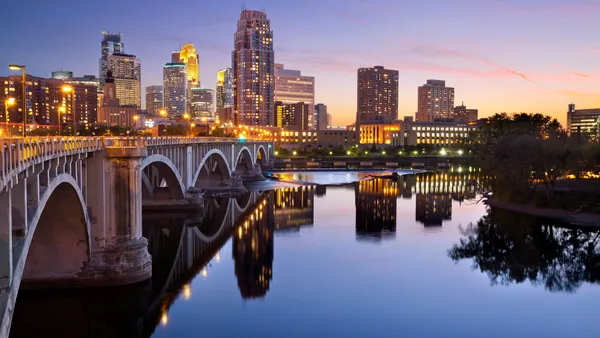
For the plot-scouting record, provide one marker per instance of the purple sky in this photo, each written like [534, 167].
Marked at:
[499, 55]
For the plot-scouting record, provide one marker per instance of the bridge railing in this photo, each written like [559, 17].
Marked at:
[18, 152]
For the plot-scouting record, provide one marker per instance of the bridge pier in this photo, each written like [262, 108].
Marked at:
[119, 253]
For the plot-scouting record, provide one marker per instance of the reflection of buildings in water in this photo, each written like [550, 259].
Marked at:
[293, 207]
[253, 251]
[375, 202]
[432, 209]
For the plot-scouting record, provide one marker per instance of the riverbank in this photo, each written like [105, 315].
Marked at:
[579, 219]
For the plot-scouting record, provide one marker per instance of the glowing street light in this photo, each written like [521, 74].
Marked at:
[162, 112]
[9, 102]
[443, 152]
[460, 152]
[63, 110]
[23, 70]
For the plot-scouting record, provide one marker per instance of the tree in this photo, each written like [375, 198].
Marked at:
[176, 130]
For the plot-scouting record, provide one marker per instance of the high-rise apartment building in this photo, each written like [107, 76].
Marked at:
[583, 123]
[463, 114]
[154, 99]
[436, 101]
[45, 97]
[175, 82]
[111, 44]
[377, 94]
[224, 89]
[253, 61]
[321, 116]
[127, 74]
[202, 103]
[292, 87]
[292, 116]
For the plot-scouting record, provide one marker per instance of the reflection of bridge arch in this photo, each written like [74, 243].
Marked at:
[165, 170]
[57, 240]
[190, 255]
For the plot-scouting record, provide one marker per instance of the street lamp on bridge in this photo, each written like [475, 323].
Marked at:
[23, 70]
[9, 102]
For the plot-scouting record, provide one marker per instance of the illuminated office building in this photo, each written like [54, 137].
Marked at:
[253, 251]
[292, 87]
[111, 44]
[154, 99]
[111, 112]
[376, 205]
[253, 61]
[202, 103]
[584, 123]
[224, 89]
[127, 74]
[175, 83]
[435, 101]
[465, 115]
[293, 116]
[377, 94]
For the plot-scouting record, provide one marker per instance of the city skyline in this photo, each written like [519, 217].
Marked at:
[522, 70]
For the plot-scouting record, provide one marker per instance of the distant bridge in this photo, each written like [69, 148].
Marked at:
[70, 209]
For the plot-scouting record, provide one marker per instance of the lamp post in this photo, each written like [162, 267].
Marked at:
[23, 70]
[61, 109]
[9, 102]
[186, 117]
[163, 112]
[70, 89]
[135, 119]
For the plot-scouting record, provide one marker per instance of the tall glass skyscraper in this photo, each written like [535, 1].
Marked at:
[224, 88]
[253, 61]
[175, 81]
[111, 44]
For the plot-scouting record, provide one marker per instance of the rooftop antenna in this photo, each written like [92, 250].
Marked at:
[262, 9]
[243, 6]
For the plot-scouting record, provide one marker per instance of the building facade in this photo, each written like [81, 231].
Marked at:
[583, 123]
[62, 74]
[435, 101]
[175, 88]
[127, 74]
[253, 61]
[321, 117]
[154, 99]
[377, 94]
[293, 87]
[202, 103]
[463, 114]
[443, 133]
[293, 116]
[112, 113]
[111, 44]
[224, 89]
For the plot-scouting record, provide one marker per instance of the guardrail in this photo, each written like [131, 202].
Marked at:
[16, 153]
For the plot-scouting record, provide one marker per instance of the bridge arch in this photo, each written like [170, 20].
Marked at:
[261, 155]
[212, 169]
[168, 172]
[57, 243]
[248, 161]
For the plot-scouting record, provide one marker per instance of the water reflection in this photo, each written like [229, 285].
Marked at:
[375, 208]
[514, 248]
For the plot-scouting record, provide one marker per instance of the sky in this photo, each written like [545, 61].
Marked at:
[532, 56]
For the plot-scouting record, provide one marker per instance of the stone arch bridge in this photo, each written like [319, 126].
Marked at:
[70, 208]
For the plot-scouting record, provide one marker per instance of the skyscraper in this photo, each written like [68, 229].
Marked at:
[189, 57]
[111, 43]
[154, 99]
[253, 61]
[292, 87]
[436, 101]
[292, 116]
[377, 94]
[224, 88]
[175, 83]
[127, 74]
[321, 116]
[202, 102]
[112, 112]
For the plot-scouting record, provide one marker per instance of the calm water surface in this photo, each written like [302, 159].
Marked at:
[417, 257]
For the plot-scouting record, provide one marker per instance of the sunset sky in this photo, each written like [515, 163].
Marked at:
[499, 55]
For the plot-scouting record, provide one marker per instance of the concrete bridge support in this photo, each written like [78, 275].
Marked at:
[119, 252]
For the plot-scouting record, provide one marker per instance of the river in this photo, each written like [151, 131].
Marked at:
[417, 256]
